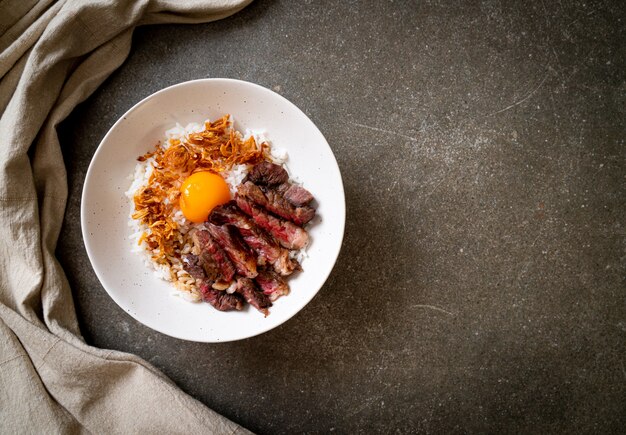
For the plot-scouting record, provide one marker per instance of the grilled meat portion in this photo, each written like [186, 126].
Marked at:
[278, 204]
[213, 259]
[220, 299]
[286, 233]
[296, 195]
[285, 265]
[274, 202]
[267, 174]
[255, 237]
[238, 252]
[275, 176]
[261, 242]
[191, 263]
[248, 289]
[272, 284]
[262, 224]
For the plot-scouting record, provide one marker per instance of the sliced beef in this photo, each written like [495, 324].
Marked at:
[221, 300]
[274, 202]
[284, 264]
[260, 241]
[238, 252]
[296, 195]
[272, 175]
[213, 258]
[248, 289]
[272, 284]
[211, 268]
[267, 174]
[254, 236]
[201, 266]
[286, 233]
[278, 204]
[253, 192]
[191, 263]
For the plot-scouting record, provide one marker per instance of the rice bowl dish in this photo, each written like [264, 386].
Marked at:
[167, 241]
[105, 208]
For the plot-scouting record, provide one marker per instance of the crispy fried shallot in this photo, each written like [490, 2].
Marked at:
[216, 149]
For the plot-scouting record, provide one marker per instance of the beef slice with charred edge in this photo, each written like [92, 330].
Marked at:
[267, 174]
[274, 202]
[211, 250]
[191, 263]
[272, 284]
[297, 195]
[251, 293]
[255, 237]
[286, 233]
[221, 300]
[278, 204]
[201, 266]
[285, 265]
[238, 252]
[273, 175]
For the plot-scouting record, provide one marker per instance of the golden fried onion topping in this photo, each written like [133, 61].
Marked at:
[217, 148]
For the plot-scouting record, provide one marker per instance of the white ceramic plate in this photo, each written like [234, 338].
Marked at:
[104, 208]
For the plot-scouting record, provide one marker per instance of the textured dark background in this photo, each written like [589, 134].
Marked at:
[481, 284]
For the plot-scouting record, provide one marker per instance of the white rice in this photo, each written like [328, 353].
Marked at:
[180, 279]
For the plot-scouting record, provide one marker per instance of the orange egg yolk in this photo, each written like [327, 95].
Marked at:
[200, 193]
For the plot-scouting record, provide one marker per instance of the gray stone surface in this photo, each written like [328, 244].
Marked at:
[480, 287]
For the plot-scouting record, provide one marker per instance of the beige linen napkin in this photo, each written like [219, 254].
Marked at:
[53, 54]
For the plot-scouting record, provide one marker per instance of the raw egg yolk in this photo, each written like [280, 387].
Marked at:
[200, 193]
